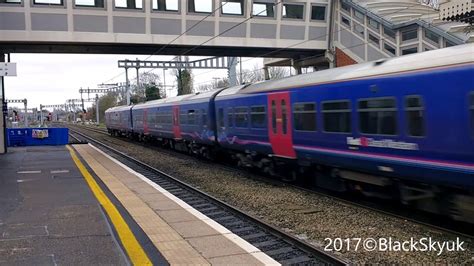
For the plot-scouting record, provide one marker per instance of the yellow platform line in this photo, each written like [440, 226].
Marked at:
[134, 250]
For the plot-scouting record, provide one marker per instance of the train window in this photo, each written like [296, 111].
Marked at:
[183, 118]
[274, 117]
[230, 117]
[378, 116]
[221, 117]
[169, 117]
[284, 118]
[304, 116]
[471, 110]
[337, 116]
[257, 116]
[151, 119]
[241, 117]
[164, 116]
[203, 117]
[191, 117]
[415, 116]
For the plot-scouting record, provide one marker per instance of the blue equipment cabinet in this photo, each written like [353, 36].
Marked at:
[37, 136]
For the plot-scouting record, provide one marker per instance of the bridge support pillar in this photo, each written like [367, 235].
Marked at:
[266, 73]
[97, 108]
[25, 117]
[297, 66]
[3, 129]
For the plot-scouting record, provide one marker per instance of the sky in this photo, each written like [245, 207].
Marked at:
[53, 78]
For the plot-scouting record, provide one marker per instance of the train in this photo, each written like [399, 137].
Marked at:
[397, 128]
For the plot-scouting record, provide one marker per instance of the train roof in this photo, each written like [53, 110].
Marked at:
[436, 58]
[202, 96]
[193, 97]
[119, 108]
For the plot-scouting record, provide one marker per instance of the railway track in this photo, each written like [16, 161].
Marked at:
[431, 221]
[276, 243]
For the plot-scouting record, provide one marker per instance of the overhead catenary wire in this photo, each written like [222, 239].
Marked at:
[265, 54]
[314, 56]
[176, 38]
[315, 38]
[245, 20]
[223, 32]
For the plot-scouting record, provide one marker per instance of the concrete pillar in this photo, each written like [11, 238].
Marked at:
[41, 115]
[3, 139]
[296, 65]
[266, 73]
[25, 102]
[97, 107]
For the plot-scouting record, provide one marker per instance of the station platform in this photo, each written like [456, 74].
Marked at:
[77, 205]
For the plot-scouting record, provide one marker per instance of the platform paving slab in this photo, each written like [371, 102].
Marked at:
[48, 215]
[180, 233]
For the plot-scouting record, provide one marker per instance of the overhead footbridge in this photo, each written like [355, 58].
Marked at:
[173, 27]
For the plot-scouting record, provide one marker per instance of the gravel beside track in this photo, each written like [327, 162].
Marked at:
[304, 214]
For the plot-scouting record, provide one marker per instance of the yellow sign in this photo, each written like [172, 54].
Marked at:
[39, 133]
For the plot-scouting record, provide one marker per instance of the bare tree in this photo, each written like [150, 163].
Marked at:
[147, 89]
[184, 79]
[258, 74]
[278, 72]
[105, 102]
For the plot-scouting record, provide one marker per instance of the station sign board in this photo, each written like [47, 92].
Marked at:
[7, 69]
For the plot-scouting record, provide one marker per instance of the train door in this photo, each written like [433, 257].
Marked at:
[279, 124]
[146, 129]
[176, 127]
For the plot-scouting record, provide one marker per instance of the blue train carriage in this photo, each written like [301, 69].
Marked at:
[194, 120]
[157, 120]
[242, 126]
[400, 128]
[118, 120]
[146, 123]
